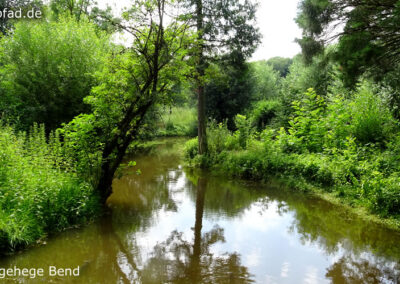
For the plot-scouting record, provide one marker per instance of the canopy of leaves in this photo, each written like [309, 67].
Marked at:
[265, 80]
[87, 9]
[280, 64]
[369, 32]
[227, 25]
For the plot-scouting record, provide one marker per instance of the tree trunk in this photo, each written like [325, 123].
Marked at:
[202, 123]
[201, 104]
[118, 146]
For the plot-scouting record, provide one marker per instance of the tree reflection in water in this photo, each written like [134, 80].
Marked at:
[137, 242]
[350, 270]
[179, 261]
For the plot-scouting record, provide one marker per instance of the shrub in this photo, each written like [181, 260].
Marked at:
[39, 191]
[244, 129]
[217, 135]
[191, 148]
[372, 120]
[264, 112]
[47, 68]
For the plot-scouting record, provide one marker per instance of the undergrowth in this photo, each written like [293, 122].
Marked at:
[40, 192]
[349, 148]
[178, 121]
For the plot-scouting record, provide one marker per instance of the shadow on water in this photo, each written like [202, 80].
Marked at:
[176, 225]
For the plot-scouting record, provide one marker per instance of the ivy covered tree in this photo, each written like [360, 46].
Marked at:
[222, 27]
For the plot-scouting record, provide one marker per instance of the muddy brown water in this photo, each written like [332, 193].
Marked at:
[175, 225]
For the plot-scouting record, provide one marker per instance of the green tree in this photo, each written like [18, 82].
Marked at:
[265, 80]
[280, 64]
[228, 89]
[47, 69]
[85, 9]
[369, 38]
[133, 81]
[222, 27]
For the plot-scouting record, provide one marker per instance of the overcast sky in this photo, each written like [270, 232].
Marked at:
[276, 23]
[278, 28]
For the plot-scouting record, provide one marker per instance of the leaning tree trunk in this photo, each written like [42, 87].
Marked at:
[115, 150]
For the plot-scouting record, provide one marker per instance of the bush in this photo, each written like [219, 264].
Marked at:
[217, 137]
[307, 129]
[372, 120]
[264, 112]
[39, 191]
[191, 148]
[244, 129]
[47, 68]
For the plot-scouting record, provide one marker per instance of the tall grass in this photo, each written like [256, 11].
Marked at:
[178, 121]
[39, 191]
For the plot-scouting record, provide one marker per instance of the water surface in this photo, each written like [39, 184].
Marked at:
[176, 225]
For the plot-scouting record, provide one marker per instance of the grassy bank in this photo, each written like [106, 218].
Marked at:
[178, 121]
[347, 149]
[39, 191]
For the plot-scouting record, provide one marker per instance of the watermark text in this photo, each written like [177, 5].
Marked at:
[33, 13]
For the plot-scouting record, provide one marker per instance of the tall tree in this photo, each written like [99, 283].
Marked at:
[85, 9]
[367, 31]
[134, 80]
[222, 27]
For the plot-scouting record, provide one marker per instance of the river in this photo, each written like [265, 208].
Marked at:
[172, 224]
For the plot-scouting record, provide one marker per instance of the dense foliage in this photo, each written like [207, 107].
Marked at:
[347, 147]
[40, 190]
[280, 64]
[47, 68]
[367, 32]
[329, 122]
[228, 90]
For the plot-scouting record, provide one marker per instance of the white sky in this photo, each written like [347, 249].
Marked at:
[276, 22]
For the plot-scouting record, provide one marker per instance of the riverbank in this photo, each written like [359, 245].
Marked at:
[347, 156]
[177, 122]
[297, 174]
[40, 193]
[169, 209]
